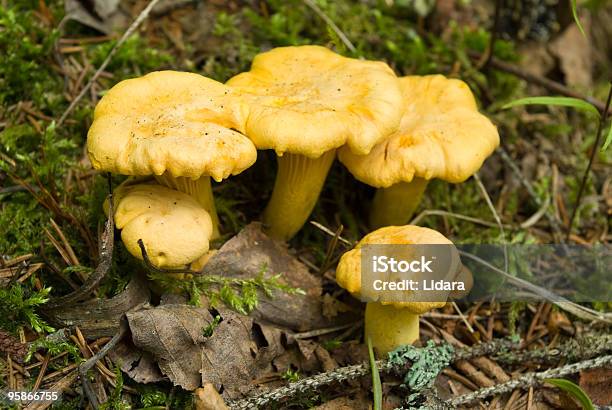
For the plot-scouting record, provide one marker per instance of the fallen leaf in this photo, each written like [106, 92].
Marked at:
[137, 364]
[575, 57]
[596, 384]
[332, 307]
[536, 58]
[246, 254]
[350, 352]
[100, 317]
[229, 356]
[327, 362]
[102, 15]
[173, 334]
[344, 403]
[559, 399]
[207, 398]
[237, 352]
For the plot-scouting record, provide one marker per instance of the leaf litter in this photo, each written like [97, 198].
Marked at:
[212, 344]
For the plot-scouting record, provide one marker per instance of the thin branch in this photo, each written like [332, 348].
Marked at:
[85, 367]
[331, 24]
[438, 212]
[585, 177]
[485, 60]
[487, 199]
[104, 264]
[565, 304]
[141, 17]
[554, 222]
[530, 380]
[355, 371]
[332, 233]
[502, 350]
[538, 80]
[582, 348]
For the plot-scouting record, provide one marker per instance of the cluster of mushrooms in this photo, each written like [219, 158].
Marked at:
[174, 131]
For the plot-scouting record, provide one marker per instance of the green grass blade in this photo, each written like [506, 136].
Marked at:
[559, 101]
[376, 386]
[573, 390]
[608, 139]
[576, 18]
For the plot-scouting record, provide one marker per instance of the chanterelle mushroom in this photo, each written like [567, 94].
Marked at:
[179, 127]
[442, 135]
[391, 324]
[174, 228]
[304, 103]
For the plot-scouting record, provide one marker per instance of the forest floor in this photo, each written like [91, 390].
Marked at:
[55, 237]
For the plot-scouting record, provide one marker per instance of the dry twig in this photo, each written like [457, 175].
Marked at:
[104, 265]
[331, 24]
[528, 380]
[594, 150]
[352, 372]
[141, 17]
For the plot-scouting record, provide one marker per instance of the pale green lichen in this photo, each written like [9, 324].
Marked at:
[427, 363]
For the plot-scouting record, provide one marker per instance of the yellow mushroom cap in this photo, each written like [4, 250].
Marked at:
[174, 228]
[170, 121]
[442, 135]
[308, 100]
[348, 272]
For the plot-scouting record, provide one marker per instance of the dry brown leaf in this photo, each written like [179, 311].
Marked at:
[207, 398]
[173, 334]
[237, 352]
[137, 364]
[344, 403]
[596, 384]
[575, 55]
[229, 357]
[102, 15]
[100, 317]
[246, 254]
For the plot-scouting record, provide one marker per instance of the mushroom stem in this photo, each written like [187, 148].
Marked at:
[395, 205]
[297, 187]
[200, 189]
[389, 327]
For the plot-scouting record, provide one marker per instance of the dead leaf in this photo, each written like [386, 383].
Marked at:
[137, 364]
[575, 55]
[536, 59]
[207, 398]
[237, 352]
[344, 403]
[228, 359]
[250, 252]
[332, 307]
[350, 352]
[559, 399]
[596, 384]
[100, 317]
[327, 362]
[102, 15]
[173, 334]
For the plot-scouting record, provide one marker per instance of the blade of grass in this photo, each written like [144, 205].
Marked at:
[573, 390]
[558, 101]
[608, 139]
[576, 18]
[376, 386]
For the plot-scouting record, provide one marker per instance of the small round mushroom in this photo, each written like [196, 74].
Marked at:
[179, 127]
[304, 103]
[174, 228]
[442, 135]
[391, 324]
